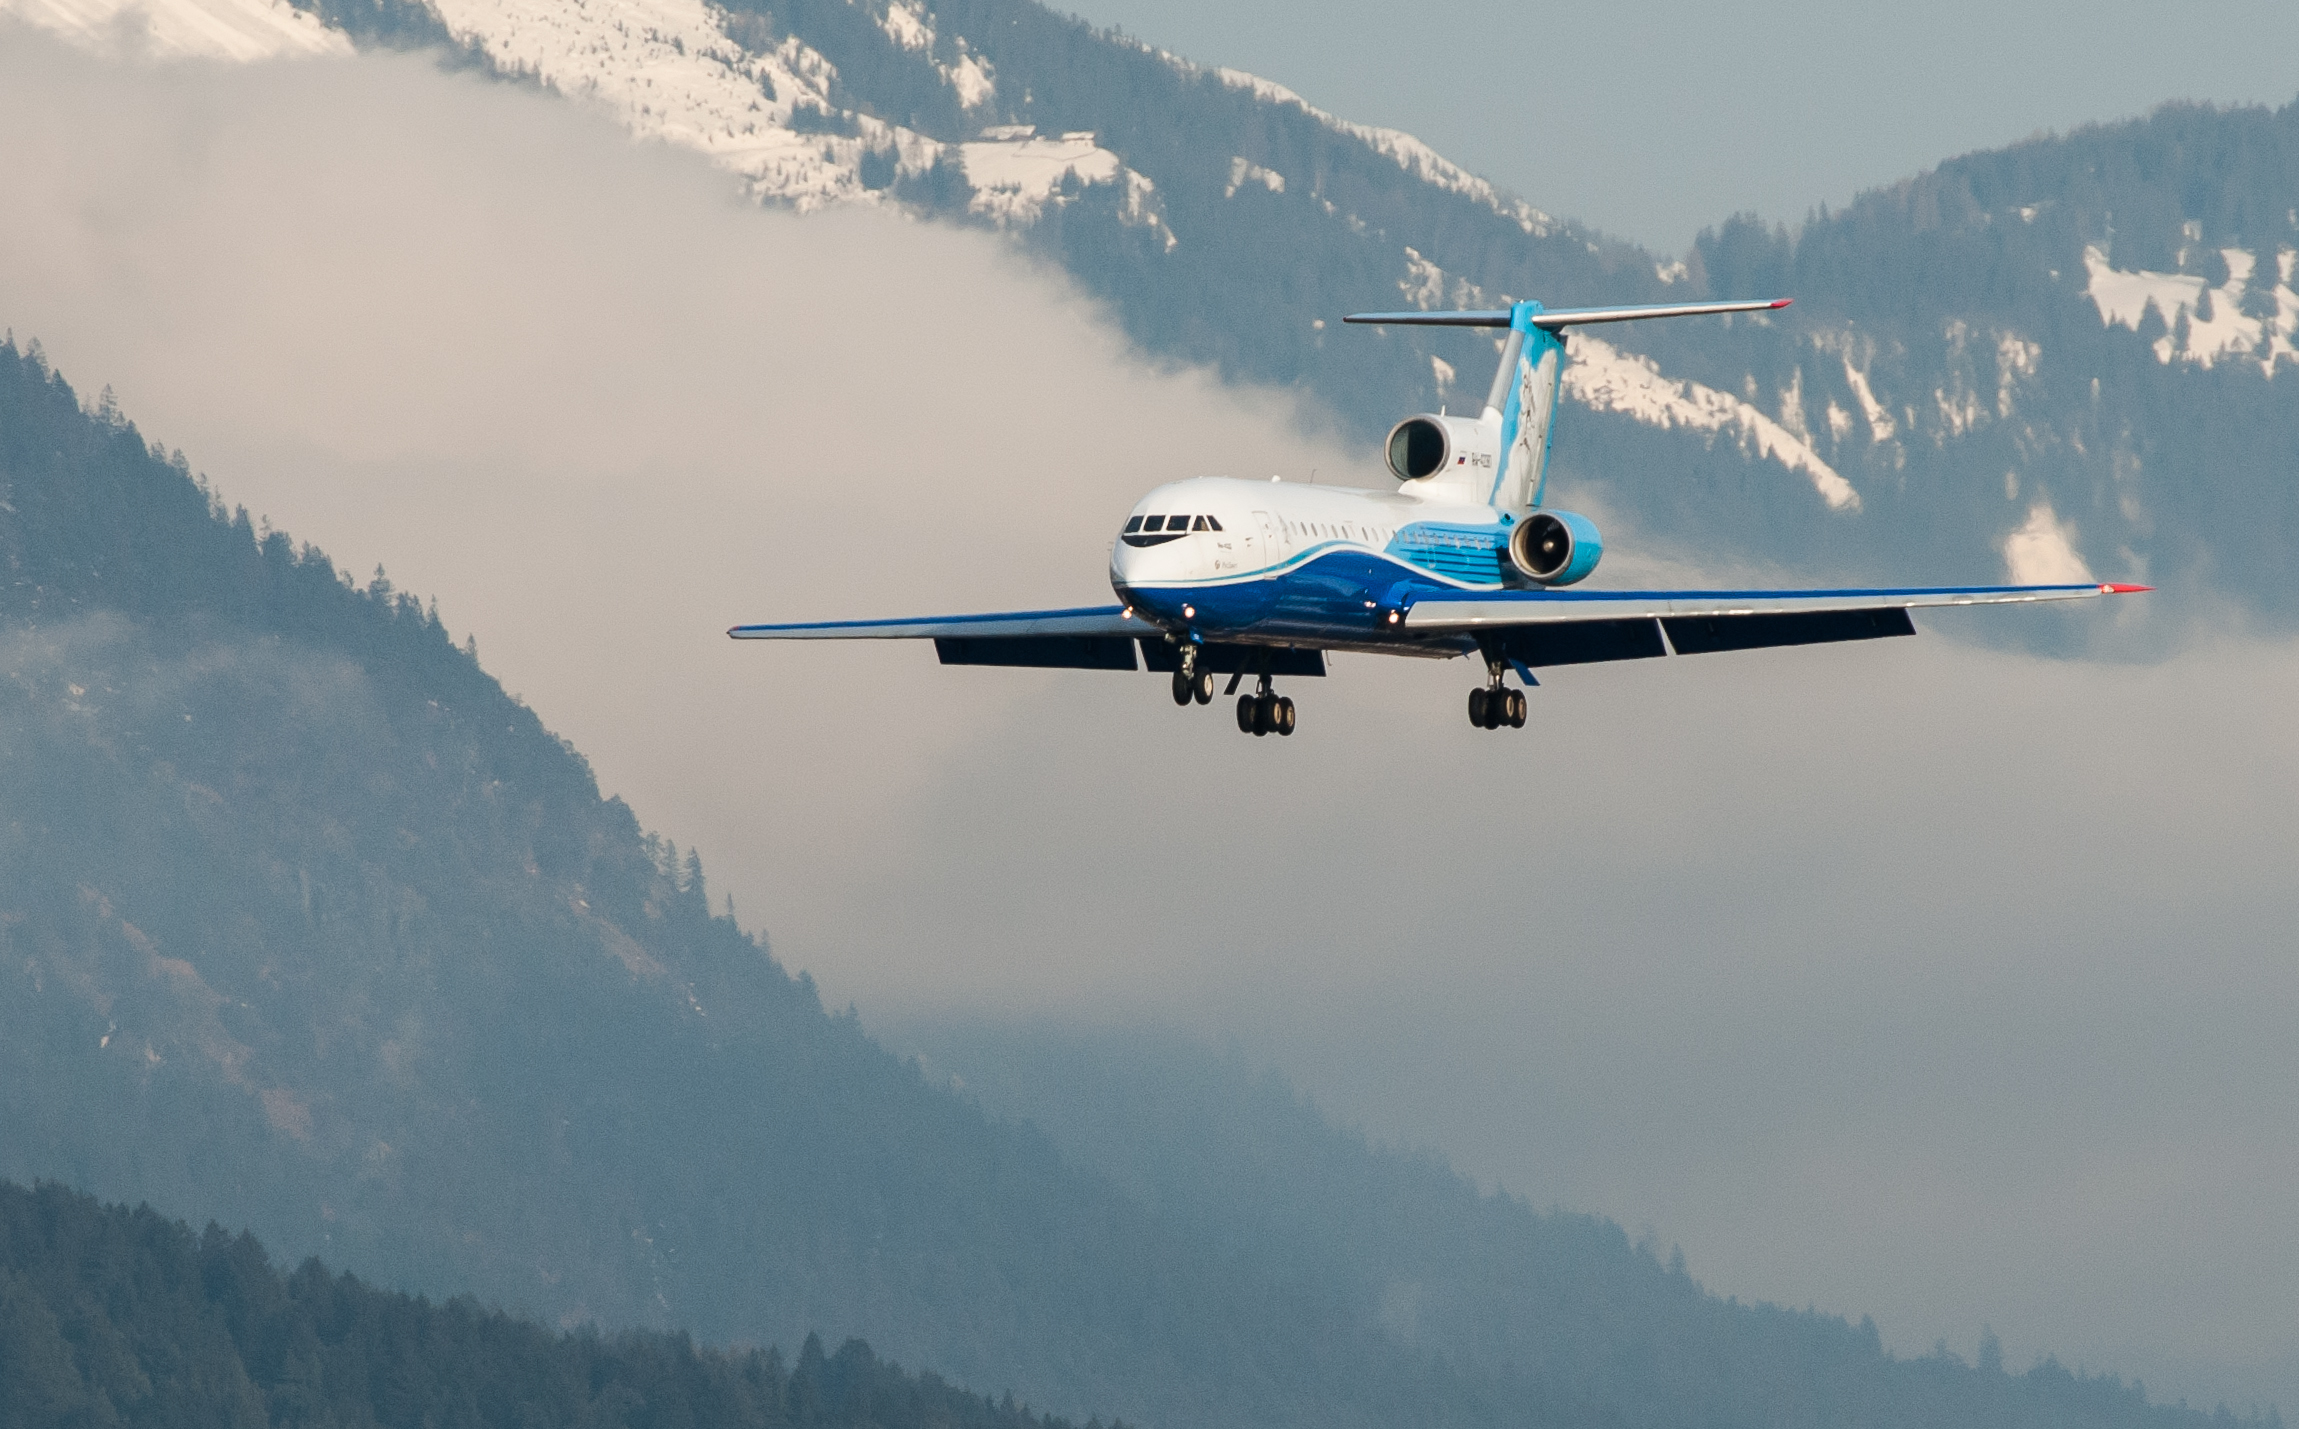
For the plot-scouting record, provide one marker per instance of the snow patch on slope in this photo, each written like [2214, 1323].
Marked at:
[1017, 173]
[1244, 171]
[238, 30]
[2043, 552]
[1426, 286]
[910, 25]
[1606, 379]
[972, 79]
[1401, 148]
[2228, 331]
[668, 70]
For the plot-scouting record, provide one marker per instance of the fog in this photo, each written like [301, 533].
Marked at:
[1913, 979]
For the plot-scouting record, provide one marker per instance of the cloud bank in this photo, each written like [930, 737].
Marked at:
[1913, 978]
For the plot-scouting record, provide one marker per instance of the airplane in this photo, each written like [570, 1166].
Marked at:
[1221, 576]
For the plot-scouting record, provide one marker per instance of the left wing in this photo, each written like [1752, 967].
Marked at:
[1564, 627]
[1099, 637]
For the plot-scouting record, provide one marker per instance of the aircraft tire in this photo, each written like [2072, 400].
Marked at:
[1203, 688]
[1516, 709]
[1245, 705]
[1477, 707]
[1182, 692]
[1284, 720]
[1264, 714]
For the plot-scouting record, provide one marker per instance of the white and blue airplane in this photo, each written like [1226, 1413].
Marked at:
[1216, 576]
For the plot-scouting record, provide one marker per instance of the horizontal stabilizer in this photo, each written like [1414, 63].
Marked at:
[1563, 317]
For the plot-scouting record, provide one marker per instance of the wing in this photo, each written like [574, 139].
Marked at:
[1099, 637]
[1567, 627]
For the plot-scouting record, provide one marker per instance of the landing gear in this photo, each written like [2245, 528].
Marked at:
[1493, 708]
[1494, 704]
[1190, 684]
[1264, 712]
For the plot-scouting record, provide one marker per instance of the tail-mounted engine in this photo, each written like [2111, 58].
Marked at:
[1458, 449]
[1419, 447]
[1555, 547]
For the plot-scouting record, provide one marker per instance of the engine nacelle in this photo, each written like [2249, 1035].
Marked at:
[1419, 447]
[1555, 547]
[1441, 448]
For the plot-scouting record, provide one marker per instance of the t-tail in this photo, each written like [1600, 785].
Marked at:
[1519, 417]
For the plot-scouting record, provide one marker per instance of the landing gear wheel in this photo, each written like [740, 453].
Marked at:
[1246, 704]
[1264, 714]
[1516, 709]
[1284, 718]
[1477, 707]
[1184, 688]
[1202, 687]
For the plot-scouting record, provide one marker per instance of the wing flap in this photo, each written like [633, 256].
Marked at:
[1712, 634]
[1042, 652]
[1583, 642]
[1224, 659]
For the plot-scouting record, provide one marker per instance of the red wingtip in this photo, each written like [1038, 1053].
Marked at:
[2126, 589]
[1782, 302]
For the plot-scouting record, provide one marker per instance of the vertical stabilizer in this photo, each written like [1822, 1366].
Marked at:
[1524, 400]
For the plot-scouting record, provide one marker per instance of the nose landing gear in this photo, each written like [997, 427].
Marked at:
[1190, 684]
[1193, 689]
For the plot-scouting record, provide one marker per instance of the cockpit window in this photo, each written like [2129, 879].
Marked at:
[1212, 523]
[1198, 525]
[1155, 523]
[1133, 525]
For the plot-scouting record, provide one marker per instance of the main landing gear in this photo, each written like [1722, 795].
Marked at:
[1264, 712]
[1494, 704]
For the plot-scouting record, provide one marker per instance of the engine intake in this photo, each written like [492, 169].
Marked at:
[1555, 547]
[1418, 447]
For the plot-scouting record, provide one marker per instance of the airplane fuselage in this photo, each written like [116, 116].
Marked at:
[1282, 562]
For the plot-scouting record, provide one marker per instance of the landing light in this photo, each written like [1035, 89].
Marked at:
[1189, 612]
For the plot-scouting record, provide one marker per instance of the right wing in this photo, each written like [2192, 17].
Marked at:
[1570, 627]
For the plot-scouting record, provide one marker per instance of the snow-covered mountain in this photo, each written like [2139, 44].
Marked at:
[2068, 358]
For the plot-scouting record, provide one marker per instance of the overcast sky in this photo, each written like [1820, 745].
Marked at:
[1656, 119]
[1910, 979]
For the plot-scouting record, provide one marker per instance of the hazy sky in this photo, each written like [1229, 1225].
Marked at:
[1910, 979]
[1656, 119]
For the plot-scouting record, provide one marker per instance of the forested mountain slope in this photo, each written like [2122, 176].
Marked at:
[111, 1316]
[305, 924]
[1240, 1158]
